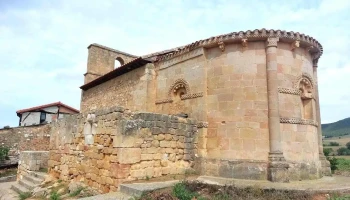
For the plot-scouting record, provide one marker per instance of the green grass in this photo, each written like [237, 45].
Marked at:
[181, 192]
[76, 192]
[54, 196]
[24, 195]
[343, 164]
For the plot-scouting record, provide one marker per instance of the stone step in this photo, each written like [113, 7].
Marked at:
[40, 175]
[27, 184]
[33, 179]
[19, 188]
[137, 189]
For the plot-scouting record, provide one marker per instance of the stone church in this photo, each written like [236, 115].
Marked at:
[255, 92]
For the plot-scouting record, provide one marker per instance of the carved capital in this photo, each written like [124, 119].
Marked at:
[272, 42]
[221, 45]
[295, 44]
[244, 42]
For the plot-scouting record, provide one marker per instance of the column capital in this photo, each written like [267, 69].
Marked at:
[272, 41]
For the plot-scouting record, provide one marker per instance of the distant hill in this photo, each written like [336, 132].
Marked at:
[339, 128]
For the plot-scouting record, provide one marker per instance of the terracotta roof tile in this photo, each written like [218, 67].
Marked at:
[36, 108]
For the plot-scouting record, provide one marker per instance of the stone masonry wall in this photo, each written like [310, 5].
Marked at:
[129, 90]
[31, 161]
[29, 138]
[125, 146]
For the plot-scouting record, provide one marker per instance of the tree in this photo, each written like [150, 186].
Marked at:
[348, 145]
[343, 151]
[327, 151]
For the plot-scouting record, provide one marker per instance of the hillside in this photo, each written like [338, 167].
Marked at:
[339, 128]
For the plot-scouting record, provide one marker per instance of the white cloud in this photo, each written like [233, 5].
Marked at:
[43, 43]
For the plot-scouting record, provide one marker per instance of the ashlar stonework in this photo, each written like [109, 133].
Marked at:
[253, 95]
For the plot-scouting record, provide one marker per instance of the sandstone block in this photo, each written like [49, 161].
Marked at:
[129, 155]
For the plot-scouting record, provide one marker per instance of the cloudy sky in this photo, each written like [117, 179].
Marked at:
[43, 43]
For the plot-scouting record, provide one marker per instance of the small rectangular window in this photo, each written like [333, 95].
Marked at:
[42, 117]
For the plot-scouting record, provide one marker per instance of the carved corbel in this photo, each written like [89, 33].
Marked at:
[245, 42]
[221, 45]
[295, 44]
[309, 48]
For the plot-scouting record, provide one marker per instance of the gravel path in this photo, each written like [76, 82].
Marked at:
[6, 193]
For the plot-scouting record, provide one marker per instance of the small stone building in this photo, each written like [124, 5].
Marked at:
[255, 92]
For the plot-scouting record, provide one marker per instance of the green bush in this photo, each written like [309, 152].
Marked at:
[327, 151]
[333, 144]
[342, 151]
[348, 145]
[4, 151]
[333, 162]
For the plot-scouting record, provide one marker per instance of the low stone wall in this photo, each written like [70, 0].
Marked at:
[25, 138]
[31, 161]
[111, 146]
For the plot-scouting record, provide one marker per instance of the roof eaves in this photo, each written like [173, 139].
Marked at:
[134, 64]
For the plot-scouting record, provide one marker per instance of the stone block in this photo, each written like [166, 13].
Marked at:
[126, 141]
[120, 170]
[129, 155]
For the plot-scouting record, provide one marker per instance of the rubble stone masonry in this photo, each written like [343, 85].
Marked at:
[125, 146]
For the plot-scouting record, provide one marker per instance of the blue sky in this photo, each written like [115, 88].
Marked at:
[43, 43]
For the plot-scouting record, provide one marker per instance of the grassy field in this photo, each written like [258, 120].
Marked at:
[342, 140]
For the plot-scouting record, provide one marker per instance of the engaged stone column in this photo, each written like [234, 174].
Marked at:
[278, 168]
[325, 165]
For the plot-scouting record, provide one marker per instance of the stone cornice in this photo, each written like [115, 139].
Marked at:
[314, 47]
[298, 121]
[289, 91]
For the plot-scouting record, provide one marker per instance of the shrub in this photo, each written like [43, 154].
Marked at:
[343, 151]
[348, 145]
[333, 144]
[333, 162]
[327, 151]
[4, 151]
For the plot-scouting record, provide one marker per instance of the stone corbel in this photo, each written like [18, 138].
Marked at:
[295, 44]
[309, 48]
[244, 42]
[221, 45]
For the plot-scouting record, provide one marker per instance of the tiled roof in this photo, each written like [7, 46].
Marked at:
[37, 108]
[253, 35]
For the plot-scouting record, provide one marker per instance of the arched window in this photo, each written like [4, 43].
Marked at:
[179, 87]
[118, 62]
[305, 88]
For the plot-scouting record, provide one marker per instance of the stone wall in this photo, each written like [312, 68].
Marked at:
[101, 60]
[107, 147]
[128, 90]
[29, 138]
[31, 161]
